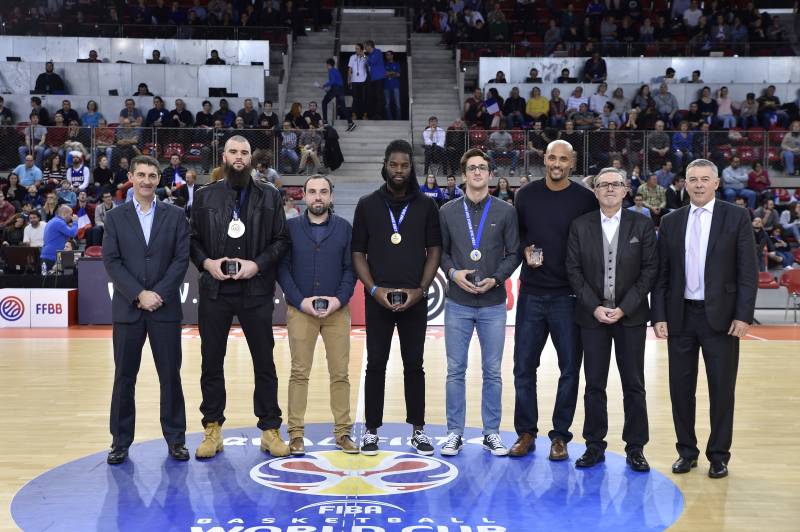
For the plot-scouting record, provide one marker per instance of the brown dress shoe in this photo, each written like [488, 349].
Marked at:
[524, 444]
[297, 447]
[346, 444]
[558, 450]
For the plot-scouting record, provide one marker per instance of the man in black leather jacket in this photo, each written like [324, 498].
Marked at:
[239, 236]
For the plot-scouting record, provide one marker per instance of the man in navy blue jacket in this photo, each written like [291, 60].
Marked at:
[335, 89]
[317, 280]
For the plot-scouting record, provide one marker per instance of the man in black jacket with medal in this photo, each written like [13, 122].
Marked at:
[396, 245]
[239, 236]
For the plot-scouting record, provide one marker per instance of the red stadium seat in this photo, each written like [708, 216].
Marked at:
[195, 152]
[173, 148]
[151, 149]
[791, 280]
[93, 252]
[756, 134]
[477, 138]
[747, 154]
[776, 136]
[767, 281]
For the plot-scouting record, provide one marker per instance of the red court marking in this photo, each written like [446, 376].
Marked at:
[103, 332]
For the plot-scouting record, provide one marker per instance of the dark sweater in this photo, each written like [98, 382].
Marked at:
[317, 268]
[544, 219]
[402, 265]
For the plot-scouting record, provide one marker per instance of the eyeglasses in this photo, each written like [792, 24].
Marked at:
[613, 186]
[479, 167]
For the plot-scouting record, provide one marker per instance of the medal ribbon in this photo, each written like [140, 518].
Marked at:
[239, 202]
[396, 222]
[476, 242]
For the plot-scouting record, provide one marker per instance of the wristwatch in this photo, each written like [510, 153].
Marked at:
[425, 291]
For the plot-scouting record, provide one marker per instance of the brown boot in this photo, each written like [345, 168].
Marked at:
[524, 444]
[346, 444]
[272, 443]
[558, 450]
[297, 446]
[212, 442]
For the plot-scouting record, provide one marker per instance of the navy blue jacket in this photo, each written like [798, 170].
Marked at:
[317, 269]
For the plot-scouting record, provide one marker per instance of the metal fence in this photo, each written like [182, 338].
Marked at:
[521, 152]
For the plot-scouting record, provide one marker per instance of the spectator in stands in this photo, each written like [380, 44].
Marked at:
[594, 70]
[268, 119]
[654, 197]
[66, 195]
[48, 82]
[357, 80]
[642, 99]
[35, 141]
[514, 109]
[537, 106]
[91, 117]
[143, 90]
[49, 207]
[33, 235]
[769, 112]
[160, 13]
[668, 77]
[576, 99]
[127, 139]
[763, 243]
[78, 175]
[658, 142]
[56, 136]
[31, 199]
[174, 175]
[695, 77]
[5, 113]
[158, 116]
[533, 75]
[102, 176]
[609, 32]
[288, 153]
[377, 76]
[433, 139]
[130, 111]
[92, 57]
[725, 117]
[609, 116]
[155, 58]
[289, 208]
[7, 210]
[500, 77]
[224, 114]
[734, 183]
[499, 29]
[682, 146]
[311, 116]
[647, 31]
[475, 110]
[61, 228]
[758, 181]
[599, 98]
[694, 117]
[14, 231]
[557, 109]
[13, 190]
[310, 143]
[455, 146]
[583, 118]
[104, 140]
[503, 191]
[707, 106]
[501, 144]
[666, 104]
[676, 194]
[537, 145]
[768, 214]
[782, 248]
[295, 116]
[84, 209]
[180, 117]
[53, 172]
[790, 220]
[266, 173]
[391, 88]
[431, 189]
[219, 135]
[565, 77]
[451, 191]
[204, 118]
[94, 236]
[790, 146]
[248, 114]
[691, 17]
[77, 140]
[665, 176]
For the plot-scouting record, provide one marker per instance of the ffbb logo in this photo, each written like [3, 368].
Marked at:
[48, 308]
[11, 308]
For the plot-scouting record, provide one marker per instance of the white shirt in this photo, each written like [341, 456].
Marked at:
[610, 225]
[705, 229]
[34, 236]
[431, 136]
[358, 68]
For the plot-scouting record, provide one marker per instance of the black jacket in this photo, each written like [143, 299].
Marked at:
[636, 269]
[333, 154]
[266, 234]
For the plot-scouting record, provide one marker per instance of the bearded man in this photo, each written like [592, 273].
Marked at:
[239, 237]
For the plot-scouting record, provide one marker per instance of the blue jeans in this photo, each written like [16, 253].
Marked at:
[392, 100]
[459, 323]
[494, 154]
[538, 317]
[748, 195]
[788, 160]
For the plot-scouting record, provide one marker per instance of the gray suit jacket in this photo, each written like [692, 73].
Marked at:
[134, 266]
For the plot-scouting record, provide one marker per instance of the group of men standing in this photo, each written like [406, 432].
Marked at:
[588, 266]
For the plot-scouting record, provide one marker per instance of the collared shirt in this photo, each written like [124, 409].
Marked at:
[433, 136]
[610, 225]
[358, 67]
[705, 229]
[145, 218]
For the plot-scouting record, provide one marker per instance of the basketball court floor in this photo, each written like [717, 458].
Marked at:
[55, 387]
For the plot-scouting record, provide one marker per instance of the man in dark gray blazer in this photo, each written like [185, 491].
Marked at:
[146, 254]
[704, 297]
[611, 264]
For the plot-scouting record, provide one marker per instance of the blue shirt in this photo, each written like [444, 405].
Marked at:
[376, 68]
[28, 176]
[334, 78]
[91, 119]
[392, 83]
[56, 234]
[145, 219]
[644, 212]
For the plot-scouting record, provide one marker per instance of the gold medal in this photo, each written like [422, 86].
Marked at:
[235, 228]
[396, 238]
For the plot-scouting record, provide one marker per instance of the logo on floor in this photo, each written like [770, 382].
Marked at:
[326, 490]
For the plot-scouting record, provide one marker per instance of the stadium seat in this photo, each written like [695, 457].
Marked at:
[173, 148]
[195, 152]
[791, 280]
[151, 149]
[93, 252]
[767, 281]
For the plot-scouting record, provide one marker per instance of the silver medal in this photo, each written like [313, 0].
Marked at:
[475, 255]
[235, 228]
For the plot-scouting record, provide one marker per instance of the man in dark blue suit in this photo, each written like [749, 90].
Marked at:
[146, 254]
[704, 297]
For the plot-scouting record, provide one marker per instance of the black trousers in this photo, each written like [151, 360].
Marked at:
[377, 102]
[434, 154]
[359, 91]
[629, 351]
[721, 357]
[165, 343]
[215, 317]
[411, 326]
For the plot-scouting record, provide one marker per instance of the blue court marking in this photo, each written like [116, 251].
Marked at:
[245, 490]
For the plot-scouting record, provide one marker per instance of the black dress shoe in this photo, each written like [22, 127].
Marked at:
[637, 461]
[178, 452]
[718, 469]
[117, 455]
[683, 465]
[590, 458]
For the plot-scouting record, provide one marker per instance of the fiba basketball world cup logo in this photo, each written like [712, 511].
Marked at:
[436, 295]
[332, 473]
[11, 308]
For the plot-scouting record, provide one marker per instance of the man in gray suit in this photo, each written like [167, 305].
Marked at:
[146, 254]
[612, 262]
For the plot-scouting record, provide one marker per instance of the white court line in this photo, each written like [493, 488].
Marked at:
[360, 402]
[757, 337]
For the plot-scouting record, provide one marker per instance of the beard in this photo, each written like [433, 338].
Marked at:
[237, 178]
[318, 209]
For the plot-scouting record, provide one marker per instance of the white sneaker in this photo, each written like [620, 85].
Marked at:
[453, 445]
[493, 443]
[369, 444]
